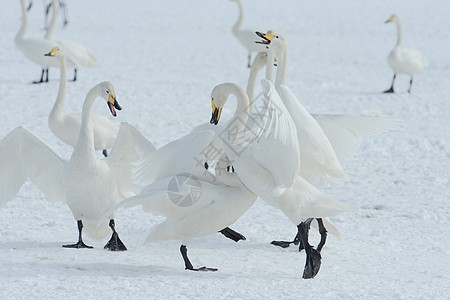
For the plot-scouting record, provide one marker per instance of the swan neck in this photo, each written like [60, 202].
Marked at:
[61, 97]
[269, 66]
[399, 32]
[251, 84]
[238, 24]
[282, 68]
[24, 27]
[85, 144]
[52, 27]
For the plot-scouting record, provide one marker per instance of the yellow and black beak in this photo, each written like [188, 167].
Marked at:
[389, 20]
[216, 112]
[267, 38]
[52, 52]
[113, 105]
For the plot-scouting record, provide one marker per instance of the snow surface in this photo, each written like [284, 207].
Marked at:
[164, 58]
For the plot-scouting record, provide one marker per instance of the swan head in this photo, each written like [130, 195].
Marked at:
[218, 99]
[275, 42]
[55, 52]
[393, 18]
[108, 93]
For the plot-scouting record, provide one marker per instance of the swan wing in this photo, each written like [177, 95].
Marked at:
[130, 146]
[274, 146]
[23, 155]
[345, 132]
[185, 155]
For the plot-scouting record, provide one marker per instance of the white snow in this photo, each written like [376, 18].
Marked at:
[164, 58]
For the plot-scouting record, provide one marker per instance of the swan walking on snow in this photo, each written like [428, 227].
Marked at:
[89, 186]
[195, 202]
[67, 126]
[404, 60]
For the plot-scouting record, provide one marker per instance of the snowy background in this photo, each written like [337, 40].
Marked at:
[164, 58]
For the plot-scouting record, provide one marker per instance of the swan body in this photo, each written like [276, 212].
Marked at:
[403, 60]
[89, 186]
[195, 202]
[245, 37]
[67, 126]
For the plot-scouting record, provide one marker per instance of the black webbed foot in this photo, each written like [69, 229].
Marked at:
[203, 269]
[115, 244]
[282, 244]
[391, 90]
[78, 245]
[232, 235]
[313, 262]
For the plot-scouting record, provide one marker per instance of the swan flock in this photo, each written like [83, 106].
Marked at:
[272, 148]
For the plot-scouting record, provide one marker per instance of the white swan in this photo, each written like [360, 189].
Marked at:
[67, 126]
[195, 202]
[404, 60]
[266, 156]
[245, 37]
[88, 185]
[34, 48]
[78, 54]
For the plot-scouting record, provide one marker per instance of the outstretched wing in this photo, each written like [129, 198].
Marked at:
[130, 146]
[345, 132]
[185, 155]
[270, 144]
[23, 155]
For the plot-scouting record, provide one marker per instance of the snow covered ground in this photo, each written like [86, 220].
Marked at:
[164, 58]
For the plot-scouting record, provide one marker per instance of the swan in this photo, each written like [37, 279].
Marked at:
[67, 126]
[327, 142]
[266, 156]
[88, 185]
[78, 54]
[245, 37]
[195, 202]
[33, 48]
[404, 60]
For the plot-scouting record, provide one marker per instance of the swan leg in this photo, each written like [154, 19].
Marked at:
[46, 75]
[80, 243]
[74, 74]
[391, 90]
[42, 77]
[323, 234]
[313, 257]
[114, 244]
[232, 235]
[410, 85]
[105, 153]
[187, 262]
[249, 59]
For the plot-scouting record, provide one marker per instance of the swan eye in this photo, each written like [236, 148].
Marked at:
[107, 92]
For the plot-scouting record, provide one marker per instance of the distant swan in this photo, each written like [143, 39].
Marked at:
[404, 60]
[88, 185]
[67, 126]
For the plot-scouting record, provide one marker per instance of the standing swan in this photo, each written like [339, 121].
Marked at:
[404, 60]
[67, 126]
[245, 37]
[78, 54]
[88, 185]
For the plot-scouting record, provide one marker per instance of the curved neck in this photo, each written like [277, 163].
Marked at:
[269, 66]
[281, 68]
[52, 27]
[238, 24]
[85, 144]
[242, 108]
[24, 27]
[399, 32]
[61, 98]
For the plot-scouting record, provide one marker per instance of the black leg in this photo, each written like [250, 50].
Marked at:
[74, 74]
[42, 78]
[232, 235]
[187, 262]
[391, 90]
[80, 243]
[46, 75]
[105, 153]
[114, 244]
[323, 234]
[313, 257]
[410, 85]
[285, 244]
[249, 59]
